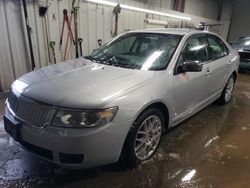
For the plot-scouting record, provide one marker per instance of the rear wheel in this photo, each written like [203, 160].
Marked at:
[228, 91]
[143, 138]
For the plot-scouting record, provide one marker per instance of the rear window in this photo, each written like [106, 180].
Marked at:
[217, 47]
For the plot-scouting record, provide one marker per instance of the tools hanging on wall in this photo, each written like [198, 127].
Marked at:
[68, 22]
[99, 41]
[52, 45]
[28, 28]
[80, 45]
[116, 11]
[42, 13]
[66, 51]
[75, 9]
[66, 25]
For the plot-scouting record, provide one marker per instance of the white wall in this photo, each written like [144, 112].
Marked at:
[13, 45]
[203, 8]
[95, 22]
[158, 4]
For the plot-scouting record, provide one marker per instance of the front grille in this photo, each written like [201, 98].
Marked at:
[244, 56]
[28, 110]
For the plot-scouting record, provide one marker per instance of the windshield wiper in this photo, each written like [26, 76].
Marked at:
[112, 61]
[89, 58]
[94, 60]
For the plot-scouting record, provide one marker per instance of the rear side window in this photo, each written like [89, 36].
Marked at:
[217, 47]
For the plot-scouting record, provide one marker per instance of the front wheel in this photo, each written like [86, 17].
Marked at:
[143, 138]
[227, 92]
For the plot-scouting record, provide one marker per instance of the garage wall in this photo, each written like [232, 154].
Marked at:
[204, 8]
[240, 24]
[225, 18]
[95, 22]
[13, 47]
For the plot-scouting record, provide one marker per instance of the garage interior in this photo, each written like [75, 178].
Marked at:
[208, 150]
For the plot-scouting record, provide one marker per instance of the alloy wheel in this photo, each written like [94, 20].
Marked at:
[229, 89]
[148, 137]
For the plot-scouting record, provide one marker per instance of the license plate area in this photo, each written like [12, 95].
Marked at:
[13, 127]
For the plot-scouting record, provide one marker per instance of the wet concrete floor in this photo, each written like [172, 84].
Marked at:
[211, 149]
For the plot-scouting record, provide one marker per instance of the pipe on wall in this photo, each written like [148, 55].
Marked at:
[1, 88]
[156, 22]
[28, 28]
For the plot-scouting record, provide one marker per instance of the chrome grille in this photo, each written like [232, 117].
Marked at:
[244, 56]
[28, 110]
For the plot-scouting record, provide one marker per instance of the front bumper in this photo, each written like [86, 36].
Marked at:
[74, 148]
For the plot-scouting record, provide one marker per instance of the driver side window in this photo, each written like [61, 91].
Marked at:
[195, 50]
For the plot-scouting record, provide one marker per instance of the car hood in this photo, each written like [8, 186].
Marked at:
[80, 83]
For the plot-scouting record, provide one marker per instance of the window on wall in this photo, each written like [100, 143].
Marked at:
[217, 47]
[195, 50]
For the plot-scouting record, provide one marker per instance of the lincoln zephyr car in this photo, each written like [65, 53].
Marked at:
[116, 103]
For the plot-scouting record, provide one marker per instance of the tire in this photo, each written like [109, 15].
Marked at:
[139, 139]
[227, 92]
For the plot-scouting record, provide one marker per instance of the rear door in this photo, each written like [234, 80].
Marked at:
[220, 65]
[191, 88]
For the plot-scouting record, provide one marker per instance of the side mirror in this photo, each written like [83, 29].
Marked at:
[191, 66]
[231, 42]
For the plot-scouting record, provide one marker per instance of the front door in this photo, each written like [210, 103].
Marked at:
[191, 88]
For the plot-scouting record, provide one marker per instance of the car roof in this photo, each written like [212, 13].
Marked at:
[177, 31]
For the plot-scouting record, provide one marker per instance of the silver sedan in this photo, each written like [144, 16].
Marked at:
[116, 103]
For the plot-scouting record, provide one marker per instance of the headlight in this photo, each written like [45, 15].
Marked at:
[81, 119]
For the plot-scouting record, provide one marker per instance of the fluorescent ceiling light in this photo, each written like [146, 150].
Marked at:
[153, 12]
[139, 9]
[103, 2]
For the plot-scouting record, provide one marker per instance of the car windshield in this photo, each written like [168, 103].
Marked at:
[244, 41]
[144, 51]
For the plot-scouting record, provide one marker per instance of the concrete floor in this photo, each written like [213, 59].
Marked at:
[209, 150]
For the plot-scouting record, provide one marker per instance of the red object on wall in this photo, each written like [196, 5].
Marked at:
[179, 5]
